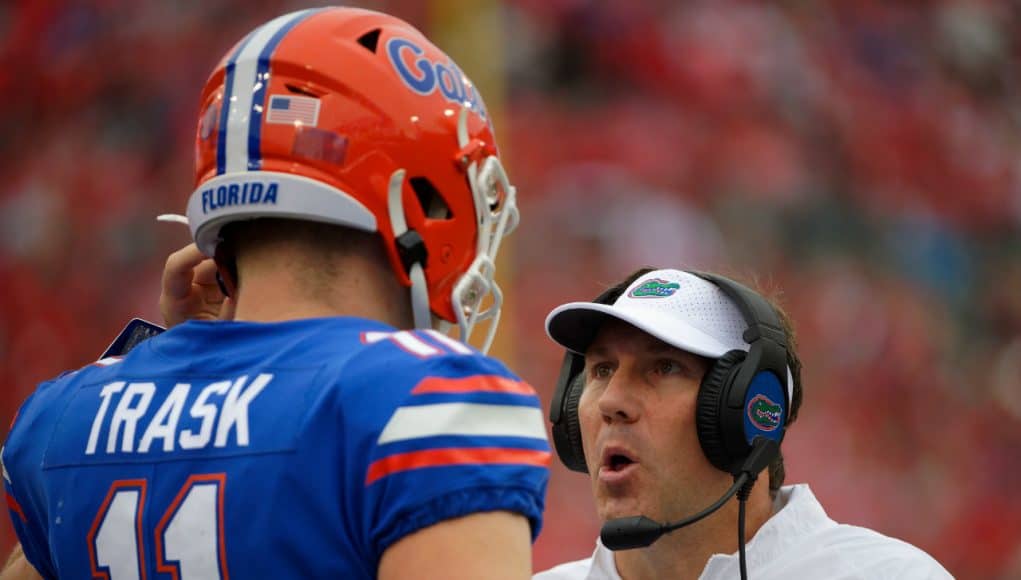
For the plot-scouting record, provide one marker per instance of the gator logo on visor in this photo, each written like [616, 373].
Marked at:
[764, 413]
[655, 288]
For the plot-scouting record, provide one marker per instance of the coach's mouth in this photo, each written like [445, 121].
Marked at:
[618, 464]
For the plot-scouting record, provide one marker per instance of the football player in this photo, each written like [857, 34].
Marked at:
[350, 192]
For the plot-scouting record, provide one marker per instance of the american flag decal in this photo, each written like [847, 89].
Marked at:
[290, 110]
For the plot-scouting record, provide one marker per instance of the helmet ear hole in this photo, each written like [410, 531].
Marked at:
[370, 39]
[433, 205]
[301, 91]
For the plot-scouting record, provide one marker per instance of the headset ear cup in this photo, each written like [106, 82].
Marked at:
[708, 412]
[569, 445]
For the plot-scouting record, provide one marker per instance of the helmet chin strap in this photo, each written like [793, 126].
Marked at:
[419, 291]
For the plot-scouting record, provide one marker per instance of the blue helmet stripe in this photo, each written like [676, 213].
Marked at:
[228, 88]
[246, 92]
[259, 95]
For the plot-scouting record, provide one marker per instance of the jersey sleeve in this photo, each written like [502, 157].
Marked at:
[25, 496]
[442, 435]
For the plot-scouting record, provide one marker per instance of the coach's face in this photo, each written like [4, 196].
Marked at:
[637, 415]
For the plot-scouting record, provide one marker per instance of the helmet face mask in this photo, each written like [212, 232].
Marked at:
[496, 203]
[352, 117]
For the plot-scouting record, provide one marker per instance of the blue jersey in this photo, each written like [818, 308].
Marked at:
[299, 449]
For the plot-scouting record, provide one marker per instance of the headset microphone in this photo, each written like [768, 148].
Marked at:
[639, 531]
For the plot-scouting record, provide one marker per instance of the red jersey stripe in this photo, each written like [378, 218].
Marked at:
[476, 384]
[15, 507]
[457, 456]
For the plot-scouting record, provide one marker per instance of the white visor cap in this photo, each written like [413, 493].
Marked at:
[677, 307]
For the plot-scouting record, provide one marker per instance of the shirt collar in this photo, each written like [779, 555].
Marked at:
[604, 567]
[796, 513]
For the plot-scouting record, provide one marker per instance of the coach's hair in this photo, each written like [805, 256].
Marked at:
[777, 473]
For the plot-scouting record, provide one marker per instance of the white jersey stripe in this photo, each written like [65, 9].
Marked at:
[415, 345]
[246, 66]
[110, 360]
[463, 419]
[454, 345]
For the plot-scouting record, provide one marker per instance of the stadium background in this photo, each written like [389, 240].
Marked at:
[862, 155]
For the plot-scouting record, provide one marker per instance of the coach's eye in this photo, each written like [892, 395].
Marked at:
[601, 371]
[668, 367]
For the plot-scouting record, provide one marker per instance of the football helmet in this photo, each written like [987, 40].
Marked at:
[353, 117]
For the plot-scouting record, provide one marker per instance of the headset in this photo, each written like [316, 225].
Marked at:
[743, 396]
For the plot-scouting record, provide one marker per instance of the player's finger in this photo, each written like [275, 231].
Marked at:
[210, 293]
[178, 272]
[205, 273]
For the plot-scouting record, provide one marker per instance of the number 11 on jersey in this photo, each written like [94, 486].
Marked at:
[189, 538]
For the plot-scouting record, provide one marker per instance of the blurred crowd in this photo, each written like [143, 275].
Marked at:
[859, 158]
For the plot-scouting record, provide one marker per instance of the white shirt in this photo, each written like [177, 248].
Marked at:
[798, 541]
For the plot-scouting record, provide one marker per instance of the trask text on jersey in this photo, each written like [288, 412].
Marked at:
[215, 412]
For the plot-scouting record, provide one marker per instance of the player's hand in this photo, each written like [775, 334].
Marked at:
[190, 290]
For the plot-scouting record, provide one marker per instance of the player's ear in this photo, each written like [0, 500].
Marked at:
[226, 269]
[226, 278]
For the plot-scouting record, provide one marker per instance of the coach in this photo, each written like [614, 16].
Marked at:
[676, 391]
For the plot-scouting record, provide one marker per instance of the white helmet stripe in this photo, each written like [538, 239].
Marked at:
[228, 90]
[244, 94]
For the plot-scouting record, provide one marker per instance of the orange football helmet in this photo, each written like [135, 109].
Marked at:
[353, 117]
